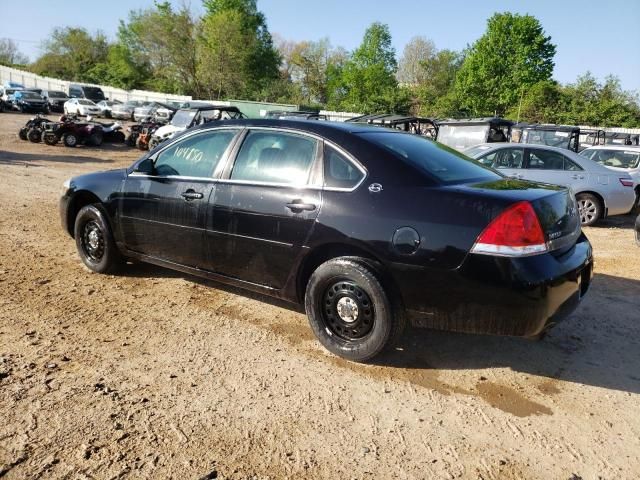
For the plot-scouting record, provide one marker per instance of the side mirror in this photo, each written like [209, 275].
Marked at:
[146, 166]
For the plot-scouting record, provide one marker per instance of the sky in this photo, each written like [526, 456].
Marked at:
[599, 36]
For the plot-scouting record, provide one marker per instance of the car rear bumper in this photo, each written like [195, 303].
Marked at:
[504, 296]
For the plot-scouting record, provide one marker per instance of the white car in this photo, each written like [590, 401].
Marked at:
[599, 191]
[620, 158]
[81, 106]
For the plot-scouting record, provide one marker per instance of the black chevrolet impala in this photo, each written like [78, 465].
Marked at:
[368, 228]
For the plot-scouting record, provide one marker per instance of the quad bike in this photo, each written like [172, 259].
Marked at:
[72, 133]
[138, 129]
[142, 142]
[111, 132]
[33, 129]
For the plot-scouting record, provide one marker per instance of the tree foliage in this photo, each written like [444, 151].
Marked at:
[10, 54]
[228, 52]
[512, 55]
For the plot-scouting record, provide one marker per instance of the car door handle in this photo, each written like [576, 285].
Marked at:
[297, 206]
[577, 177]
[191, 195]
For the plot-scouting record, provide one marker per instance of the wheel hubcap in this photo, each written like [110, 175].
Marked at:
[347, 311]
[588, 210]
[93, 241]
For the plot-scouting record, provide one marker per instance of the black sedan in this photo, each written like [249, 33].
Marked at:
[366, 228]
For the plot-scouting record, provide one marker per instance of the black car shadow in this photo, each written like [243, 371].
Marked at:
[598, 345]
[619, 221]
[36, 160]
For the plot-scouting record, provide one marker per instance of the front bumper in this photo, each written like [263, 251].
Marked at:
[502, 296]
[65, 199]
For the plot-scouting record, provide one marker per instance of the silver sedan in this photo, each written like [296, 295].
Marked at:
[599, 191]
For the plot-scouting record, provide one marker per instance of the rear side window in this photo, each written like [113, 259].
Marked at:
[444, 164]
[339, 172]
[504, 158]
[545, 160]
[275, 157]
[195, 156]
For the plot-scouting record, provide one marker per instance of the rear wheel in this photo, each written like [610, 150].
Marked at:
[349, 310]
[34, 135]
[22, 133]
[94, 241]
[589, 207]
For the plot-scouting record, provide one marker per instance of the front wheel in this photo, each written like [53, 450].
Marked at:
[22, 133]
[349, 310]
[590, 208]
[50, 139]
[94, 241]
[70, 140]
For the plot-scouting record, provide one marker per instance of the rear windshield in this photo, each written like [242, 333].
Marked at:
[444, 164]
[614, 158]
[93, 92]
[462, 136]
[31, 95]
[85, 102]
[553, 138]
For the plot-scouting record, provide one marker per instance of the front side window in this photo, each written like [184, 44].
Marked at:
[275, 157]
[195, 156]
[545, 160]
[339, 172]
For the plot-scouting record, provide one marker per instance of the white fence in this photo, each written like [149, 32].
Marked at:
[31, 80]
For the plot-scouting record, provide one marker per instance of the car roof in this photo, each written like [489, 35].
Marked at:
[476, 121]
[614, 147]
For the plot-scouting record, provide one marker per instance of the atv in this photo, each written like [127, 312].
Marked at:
[111, 132]
[142, 142]
[33, 129]
[72, 132]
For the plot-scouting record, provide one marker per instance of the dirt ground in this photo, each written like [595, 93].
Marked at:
[154, 374]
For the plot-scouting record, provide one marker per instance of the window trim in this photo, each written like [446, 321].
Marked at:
[351, 159]
[219, 168]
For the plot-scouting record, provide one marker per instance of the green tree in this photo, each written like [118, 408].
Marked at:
[71, 53]
[162, 42]
[224, 50]
[541, 103]
[368, 83]
[118, 70]
[411, 65]
[262, 59]
[512, 55]
[435, 93]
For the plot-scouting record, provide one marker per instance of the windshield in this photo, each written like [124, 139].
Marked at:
[462, 136]
[614, 158]
[93, 92]
[436, 160]
[183, 118]
[31, 95]
[85, 102]
[55, 94]
[553, 138]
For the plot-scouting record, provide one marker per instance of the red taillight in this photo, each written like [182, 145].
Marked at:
[626, 182]
[515, 232]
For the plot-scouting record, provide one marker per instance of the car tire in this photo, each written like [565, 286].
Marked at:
[50, 139]
[118, 137]
[95, 139]
[590, 209]
[34, 135]
[94, 241]
[70, 140]
[349, 310]
[22, 133]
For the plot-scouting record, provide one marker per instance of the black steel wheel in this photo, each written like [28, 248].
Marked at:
[94, 240]
[350, 311]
